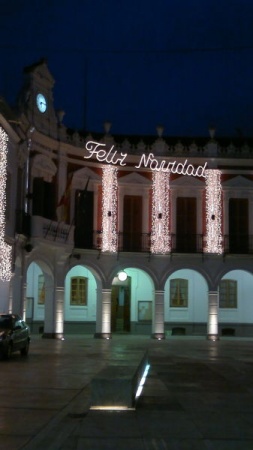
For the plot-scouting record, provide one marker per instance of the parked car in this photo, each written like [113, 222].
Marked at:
[14, 335]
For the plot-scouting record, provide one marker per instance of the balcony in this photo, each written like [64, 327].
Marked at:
[50, 230]
[131, 242]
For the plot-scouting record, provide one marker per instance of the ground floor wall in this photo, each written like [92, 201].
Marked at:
[151, 301]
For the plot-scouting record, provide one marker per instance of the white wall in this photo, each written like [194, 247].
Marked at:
[81, 313]
[142, 288]
[197, 309]
[244, 311]
[33, 273]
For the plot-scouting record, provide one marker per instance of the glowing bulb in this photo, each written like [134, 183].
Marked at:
[122, 276]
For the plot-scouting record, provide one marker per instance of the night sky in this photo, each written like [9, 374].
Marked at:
[184, 64]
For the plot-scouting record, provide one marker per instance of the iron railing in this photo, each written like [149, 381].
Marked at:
[133, 242]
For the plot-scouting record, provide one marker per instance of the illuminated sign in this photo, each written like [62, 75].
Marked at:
[98, 150]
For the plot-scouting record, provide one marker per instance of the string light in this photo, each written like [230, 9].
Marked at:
[160, 236]
[109, 209]
[5, 249]
[213, 212]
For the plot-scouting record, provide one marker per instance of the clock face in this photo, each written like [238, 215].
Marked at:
[41, 103]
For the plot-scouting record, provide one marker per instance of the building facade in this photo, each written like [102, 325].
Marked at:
[106, 234]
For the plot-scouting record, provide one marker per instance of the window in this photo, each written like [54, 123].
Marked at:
[179, 293]
[228, 294]
[41, 290]
[78, 291]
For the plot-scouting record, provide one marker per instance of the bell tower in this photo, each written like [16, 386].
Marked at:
[36, 98]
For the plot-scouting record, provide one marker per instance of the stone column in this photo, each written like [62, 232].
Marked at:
[59, 312]
[212, 324]
[49, 321]
[158, 316]
[105, 310]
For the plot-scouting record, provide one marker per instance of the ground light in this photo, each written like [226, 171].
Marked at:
[137, 395]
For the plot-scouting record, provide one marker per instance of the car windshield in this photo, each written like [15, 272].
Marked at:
[5, 322]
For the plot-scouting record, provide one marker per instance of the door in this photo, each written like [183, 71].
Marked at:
[132, 223]
[84, 219]
[238, 225]
[186, 224]
[120, 308]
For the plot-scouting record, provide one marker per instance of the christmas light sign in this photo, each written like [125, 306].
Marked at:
[99, 151]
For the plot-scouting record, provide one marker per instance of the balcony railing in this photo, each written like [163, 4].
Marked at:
[135, 242]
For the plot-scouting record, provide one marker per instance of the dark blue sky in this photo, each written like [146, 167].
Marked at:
[185, 64]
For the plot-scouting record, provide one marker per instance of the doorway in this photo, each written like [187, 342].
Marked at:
[132, 223]
[238, 225]
[186, 224]
[120, 307]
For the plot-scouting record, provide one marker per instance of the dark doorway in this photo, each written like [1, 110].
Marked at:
[120, 308]
[43, 199]
[238, 225]
[84, 205]
[132, 223]
[186, 227]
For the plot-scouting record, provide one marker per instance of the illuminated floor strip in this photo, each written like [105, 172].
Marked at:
[142, 382]
[137, 395]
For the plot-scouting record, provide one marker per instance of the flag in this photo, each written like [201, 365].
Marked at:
[62, 209]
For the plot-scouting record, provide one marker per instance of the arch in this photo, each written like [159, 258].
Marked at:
[191, 315]
[237, 318]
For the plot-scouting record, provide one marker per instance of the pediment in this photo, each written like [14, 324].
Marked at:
[188, 181]
[81, 177]
[134, 178]
[238, 182]
[40, 71]
[43, 167]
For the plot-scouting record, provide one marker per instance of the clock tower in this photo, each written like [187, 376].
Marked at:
[36, 98]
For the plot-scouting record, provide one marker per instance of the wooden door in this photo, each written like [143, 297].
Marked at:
[238, 225]
[132, 223]
[186, 224]
[84, 205]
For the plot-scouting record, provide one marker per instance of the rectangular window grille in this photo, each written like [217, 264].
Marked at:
[78, 291]
[179, 293]
[228, 294]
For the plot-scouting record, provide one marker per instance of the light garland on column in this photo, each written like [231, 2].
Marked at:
[5, 249]
[213, 212]
[109, 209]
[160, 236]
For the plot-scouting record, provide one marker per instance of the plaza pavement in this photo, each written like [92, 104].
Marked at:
[198, 395]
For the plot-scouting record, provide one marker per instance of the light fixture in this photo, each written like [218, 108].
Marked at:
[122, 276]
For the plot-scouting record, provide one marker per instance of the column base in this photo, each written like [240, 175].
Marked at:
[53, 336]
[158, 336]
[102, 336]
[212, 337]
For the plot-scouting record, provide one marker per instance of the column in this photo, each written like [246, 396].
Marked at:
[105, 311]
[212, 324]
[158, 316]
[49, 321]
[59, 312]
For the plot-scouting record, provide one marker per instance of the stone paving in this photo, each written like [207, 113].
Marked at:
[198, 395]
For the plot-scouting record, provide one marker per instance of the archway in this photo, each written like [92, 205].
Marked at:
[132, 302]
[186, 303]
